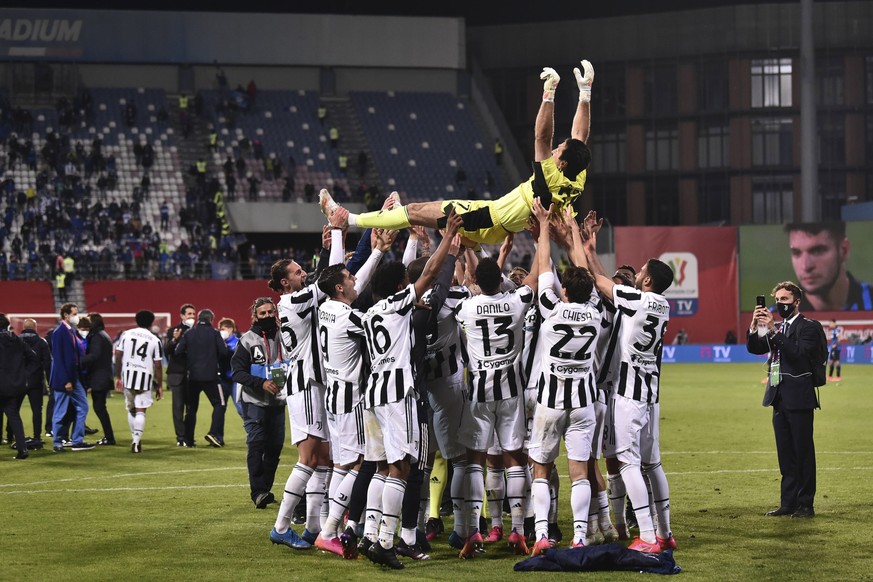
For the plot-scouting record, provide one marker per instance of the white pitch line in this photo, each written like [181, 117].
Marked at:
[239, 485]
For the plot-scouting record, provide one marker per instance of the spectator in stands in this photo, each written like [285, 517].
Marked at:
[230, 182]
[253, 187]
[228, 166]
[60, 280]
[251, 94]
[97, 364]
[321, 113]
[38, 375]
[343, 164]
[177, 372]
[241, 167]
[730, 338]
[207, 357]
[16, 358]
[309, 191]
[258, 149]
[460, 176]
[498, 151]
[681, 338]
[333, 134]
[66, 379]
[130, 114]
[292, 168]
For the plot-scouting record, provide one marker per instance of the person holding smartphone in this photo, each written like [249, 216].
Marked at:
[797, 347]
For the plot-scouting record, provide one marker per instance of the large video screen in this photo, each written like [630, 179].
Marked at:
[832, 263]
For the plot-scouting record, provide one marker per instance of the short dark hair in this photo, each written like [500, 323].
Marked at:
[661, 275]
[835, 229]
[145, 318]
[331, 277]
[577, 156]
[416, 268]
[578, 282]
[387, 279]
[789, 286]
[4, 322]
[278, 271]
[257, 303]
[96, 321]
[627, 268]
[184, 308]
[517, 275]
[205, 315]
[67, 308]
[488, 275]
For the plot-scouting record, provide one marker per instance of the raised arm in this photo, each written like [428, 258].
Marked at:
[582, 119]
[543, 245]
[544, 128]
[435, 262]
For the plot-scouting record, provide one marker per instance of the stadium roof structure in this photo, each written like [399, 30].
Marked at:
[475, 13]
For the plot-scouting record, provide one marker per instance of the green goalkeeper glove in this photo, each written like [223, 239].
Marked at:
[550, 78]
[584, 81]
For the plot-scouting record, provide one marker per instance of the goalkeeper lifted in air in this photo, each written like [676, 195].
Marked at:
[558, 178]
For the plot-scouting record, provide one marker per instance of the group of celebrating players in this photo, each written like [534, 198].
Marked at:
[383, 364]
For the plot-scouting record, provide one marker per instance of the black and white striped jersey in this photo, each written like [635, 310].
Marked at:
[644, 317]
[140, 349]
[388, 329]
[341, 334]
[493, 324]
[445, 352]
[298, 318]
[568, 335]
[606, 359]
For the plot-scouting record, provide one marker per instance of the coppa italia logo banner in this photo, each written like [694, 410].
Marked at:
[684, 293]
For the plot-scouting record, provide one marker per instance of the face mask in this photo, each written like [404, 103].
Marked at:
[188, 322]
[785, 309]
[74, 320]
[267, 324]
[224, 334]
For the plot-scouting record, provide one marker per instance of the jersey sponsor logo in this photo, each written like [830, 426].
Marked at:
[569, 370]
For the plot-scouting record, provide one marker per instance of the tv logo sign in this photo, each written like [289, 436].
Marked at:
[683, 294]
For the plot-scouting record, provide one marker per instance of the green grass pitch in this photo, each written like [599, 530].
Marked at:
[172, 513]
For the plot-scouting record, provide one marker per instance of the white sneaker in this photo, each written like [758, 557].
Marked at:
[326, 203]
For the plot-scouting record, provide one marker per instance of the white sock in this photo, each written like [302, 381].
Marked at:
[661, 494]
[617, 494]
[131, 419]
[353, 219]
[295, 488]
[603, 504]
[580, 501]
[475, 493]
[495, 491]
[639, 496]
[138, 426]
[457, 491]
[392, 503]
[540, 498]
[554, 489]
[315, 499]
[516, 484]
[528, 501]
[337, 504]
[374, 507]
[325, 501]
[407, 534]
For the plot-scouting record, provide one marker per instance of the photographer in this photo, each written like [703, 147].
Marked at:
[797, 348]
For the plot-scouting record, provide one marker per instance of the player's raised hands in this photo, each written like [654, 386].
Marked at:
[584, 80]
[455, 247]
[339, 218]
[550, 78]
[454, 223]
[592, 224]
[541, 213]
[559, 231]
[325, 237]
[384, 238]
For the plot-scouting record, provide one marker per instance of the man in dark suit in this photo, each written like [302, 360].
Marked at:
[98, 373]
[796, 347]
[207, 357]
[66, 379]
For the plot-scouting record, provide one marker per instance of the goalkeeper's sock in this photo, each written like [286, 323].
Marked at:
[393, 219]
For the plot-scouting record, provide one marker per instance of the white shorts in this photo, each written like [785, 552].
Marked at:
[447, 397]
[346, 436]
[494, 448]
[530, 406]
[138, 399]
[575, 426]
[600, 416]
[481, 419]
[392, 431]
[633, 431]
[306, 411]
